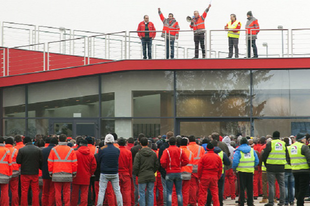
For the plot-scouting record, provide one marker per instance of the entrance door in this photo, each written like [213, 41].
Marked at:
[205, 127]
[74, 127]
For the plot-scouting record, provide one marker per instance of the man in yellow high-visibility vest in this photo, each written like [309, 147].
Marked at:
[233, 27]
[300, 164]
[275, 157]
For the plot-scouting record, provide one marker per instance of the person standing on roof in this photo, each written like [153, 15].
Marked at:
[233, 27]
[198, 26]
[170, 32]
[252, 23]
[146, 37]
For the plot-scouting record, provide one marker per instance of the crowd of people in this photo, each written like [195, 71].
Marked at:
[166, 170]
[170, 32]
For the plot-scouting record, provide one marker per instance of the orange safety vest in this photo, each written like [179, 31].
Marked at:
[93, 149]
[189, 167]
[252, 24]
[199, 23]
[198, 152]
[62, 163]
[5, 165]
[172, 29]
[15, 166]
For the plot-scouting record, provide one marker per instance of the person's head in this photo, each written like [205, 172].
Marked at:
[154, 146]
[170, 16]
[192, 138]
[233, 17]
[130, 140]
[214, 143]
[287, 141]
[184, 141]
[101, 144]
[196, 14]
[78, 139]
[301, 138]
[169, 134]
[215, 136]
[233, 144]
[249, 14]
[54, 141]
[9, 140]
[210, 146]
[27, 139]
[262, 140]
[140, 136]
[1, 140]
[276, 135]
[47, 140]
[205, 140]
[146, 18]
[40, 143]
[83, 142]
[89, 140]
[114, 135]
[62, 138]
[172, 141]
[18, 138]
[251, 142]
[144, 142]
[109, 139]
[244, 140]
[121, 141]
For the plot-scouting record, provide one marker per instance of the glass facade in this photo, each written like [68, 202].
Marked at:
[198, 102]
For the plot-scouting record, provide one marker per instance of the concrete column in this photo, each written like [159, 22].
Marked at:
[123, 108]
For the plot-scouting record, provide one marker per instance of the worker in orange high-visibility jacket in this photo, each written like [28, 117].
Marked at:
[186, 171]
[62, 166]
[5, 172]
[91, 191]
[18, 142]
[252, 28]
[198, 152]
[170, 32]
[15, 172]
[198, 26]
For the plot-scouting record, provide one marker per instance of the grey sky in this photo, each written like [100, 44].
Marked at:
[117, 15]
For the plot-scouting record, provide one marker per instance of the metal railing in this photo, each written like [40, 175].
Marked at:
[300, 42]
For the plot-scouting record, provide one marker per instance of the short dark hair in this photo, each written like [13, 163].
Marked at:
[192, 138]
[48, 140]
[40, 143]
[169, 134]
[172, 140]
[114, 135]
[54, 140]
[1, 140]
[144, 141]
[101, 144]
[121, 141]
[18, 138]
[214, 143]
[62, 138]
[27, 139]
[9, 140]
[206, 140]
[171, 14]
[234, 15]
[140, 136]
[130, 140]
[145, 16]
[215, 136]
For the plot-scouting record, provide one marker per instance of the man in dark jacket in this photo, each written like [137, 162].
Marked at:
[221, 181]
[30, 159]
[48, 193]
[275, 157]
[108, 158]
[145, 166]
[97, 173]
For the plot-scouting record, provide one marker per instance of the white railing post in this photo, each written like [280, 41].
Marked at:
[4, 61]
[8, 63]
[48, 56]
[125, 45]
[129, 45]
[44, 56]
[85, 50]
[292, 44]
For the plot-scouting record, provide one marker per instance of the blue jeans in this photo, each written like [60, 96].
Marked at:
[289, 187]
[136, 192]
[171, 46]
[163, 182]
[147, 43]
[150, 192]
[103, 182]
[174, 179]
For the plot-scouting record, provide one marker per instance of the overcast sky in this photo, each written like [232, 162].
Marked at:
[117, 15]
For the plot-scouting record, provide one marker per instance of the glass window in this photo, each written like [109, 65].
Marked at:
[107, 126]
[133, 92]
[152, 127]
[14, 102]
[108, 104]
[67, 98]
[38, 126]
[281, 93]
[14, 127]
[213, 93]
[286, 127]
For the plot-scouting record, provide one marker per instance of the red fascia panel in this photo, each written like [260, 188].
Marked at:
[135, 65]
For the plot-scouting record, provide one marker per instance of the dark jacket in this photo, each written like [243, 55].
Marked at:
[30, 158]
[306, 152]
[134, 150]
[271, 167]
[226, 160]
[164, 146]
[45, 153]
[97, 172]
[145, 165]
[108, 158]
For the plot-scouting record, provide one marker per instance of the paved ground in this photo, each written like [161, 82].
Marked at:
[232, 202]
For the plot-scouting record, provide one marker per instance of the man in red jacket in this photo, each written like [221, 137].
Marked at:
[209, 172]
[85, 169]
[172, 160]
[125, 171]
[146, 37]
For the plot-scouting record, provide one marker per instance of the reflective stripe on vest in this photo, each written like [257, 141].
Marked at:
[230, 26]
[247, 162]
[4, 156]
[298, 161]
[170, 158]
[198, 154]
[277, 155]
[264, 167]
[221, 154]
[64, 160]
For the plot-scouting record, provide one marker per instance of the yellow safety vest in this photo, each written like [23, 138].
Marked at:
[277, 156]
[264, 169]
[247, 162]
[287, 166]
[298, 161]
[221, 154]
[233, 26]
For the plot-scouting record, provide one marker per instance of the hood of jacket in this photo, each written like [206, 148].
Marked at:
[244, 148]
[226, 140]
[217, 150]
[84, 150]
[147, 152]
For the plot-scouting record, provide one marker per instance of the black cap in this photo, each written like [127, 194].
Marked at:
[244, 140]
[83, 142]
[210, 146]
[276, 134]
[250, 13]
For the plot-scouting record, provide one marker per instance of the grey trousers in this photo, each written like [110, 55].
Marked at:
[114, 179]
[272, 177]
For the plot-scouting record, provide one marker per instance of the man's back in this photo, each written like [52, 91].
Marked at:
[45, 153]
[125, 161]
[30, 158]
[108, 158]
[210, 165]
